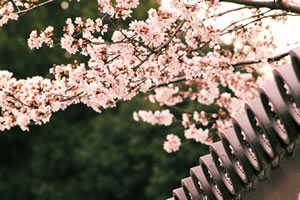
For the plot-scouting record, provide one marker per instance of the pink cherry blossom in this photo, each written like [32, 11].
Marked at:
[176, 58]
[163, 117]
[172, 144]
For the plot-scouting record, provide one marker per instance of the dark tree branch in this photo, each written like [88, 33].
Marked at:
[176, 80]
[270, 60]
[272, 4]
[18, 100]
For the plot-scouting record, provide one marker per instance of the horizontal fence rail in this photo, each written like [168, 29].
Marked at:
[261, 137]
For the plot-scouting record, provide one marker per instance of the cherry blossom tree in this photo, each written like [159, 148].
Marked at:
[177, 56]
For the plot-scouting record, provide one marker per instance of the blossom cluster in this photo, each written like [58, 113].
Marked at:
[36, 41]
[166, 96]
[11, 10]
[28, 101]
[121, 8]
[7, 12]
[158, 117]
[174, 57]
[87, 28]
[172, 144]
[199, 135]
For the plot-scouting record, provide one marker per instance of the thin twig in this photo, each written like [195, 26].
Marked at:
[253, 16]
[177, 80]
[171, 38]
[253, 21]
[152, 51]
[233, 10]
[72, 97]
[35, 6]
[18, 100]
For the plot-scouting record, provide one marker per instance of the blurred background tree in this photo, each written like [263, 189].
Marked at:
[81, 154]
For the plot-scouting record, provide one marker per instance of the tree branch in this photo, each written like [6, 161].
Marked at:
[270, 60]
[20, 12]
[276, 5]
[176, 80]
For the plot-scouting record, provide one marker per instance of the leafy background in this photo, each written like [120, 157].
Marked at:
[81, 154]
